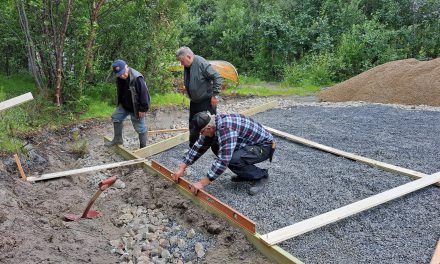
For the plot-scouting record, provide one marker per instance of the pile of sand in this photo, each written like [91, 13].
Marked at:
[409, 81]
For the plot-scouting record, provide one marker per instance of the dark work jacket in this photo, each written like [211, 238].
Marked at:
[140, 96]
[202, 80]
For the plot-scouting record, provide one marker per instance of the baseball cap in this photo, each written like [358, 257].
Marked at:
[119, 67]
[200, 120]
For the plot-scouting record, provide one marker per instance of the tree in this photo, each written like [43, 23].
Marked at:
[58, 16]
[34, 66]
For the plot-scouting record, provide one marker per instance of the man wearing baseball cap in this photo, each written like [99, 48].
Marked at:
[133, 99]
[238, 141]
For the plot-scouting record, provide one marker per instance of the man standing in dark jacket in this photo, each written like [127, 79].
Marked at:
[202, 84]
[133, 100]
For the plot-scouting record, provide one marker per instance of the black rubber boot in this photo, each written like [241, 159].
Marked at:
[117, 139]
[142, 140]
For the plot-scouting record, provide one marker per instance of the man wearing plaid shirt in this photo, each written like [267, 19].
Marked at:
[239, 142]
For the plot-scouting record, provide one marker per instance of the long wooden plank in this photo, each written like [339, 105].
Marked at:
[83, 170]
[162, 146]
[160, 131]
[436, 256]
[259, 109]
[313, 223]
[371, 162]
[274, 253]
[15, 101]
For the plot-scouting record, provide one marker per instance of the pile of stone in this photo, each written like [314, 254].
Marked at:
[152, 237]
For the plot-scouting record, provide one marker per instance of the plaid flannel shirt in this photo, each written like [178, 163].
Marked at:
[233, 131]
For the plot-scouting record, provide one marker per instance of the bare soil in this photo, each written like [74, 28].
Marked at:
[31, 214]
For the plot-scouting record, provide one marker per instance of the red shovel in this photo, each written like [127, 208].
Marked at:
[103, 185]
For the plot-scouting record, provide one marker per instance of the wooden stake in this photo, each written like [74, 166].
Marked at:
[20, 169]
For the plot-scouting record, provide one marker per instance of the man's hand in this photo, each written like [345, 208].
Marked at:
[214, 101]
[196, 187]
[141, 114]
[179, 172]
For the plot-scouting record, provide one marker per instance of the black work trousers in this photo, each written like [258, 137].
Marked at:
[243, 160]
[194, 108]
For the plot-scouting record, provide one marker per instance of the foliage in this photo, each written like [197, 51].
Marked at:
[303, 41]
[364, 47]
[311, 69]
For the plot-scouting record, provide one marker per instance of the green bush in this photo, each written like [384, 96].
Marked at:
[365, 46]
[312, 69]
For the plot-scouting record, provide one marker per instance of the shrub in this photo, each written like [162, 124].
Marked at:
[311, 69]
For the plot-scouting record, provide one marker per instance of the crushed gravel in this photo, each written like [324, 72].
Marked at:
[305, 182]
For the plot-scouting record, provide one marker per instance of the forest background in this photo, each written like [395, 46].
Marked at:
[61, 50]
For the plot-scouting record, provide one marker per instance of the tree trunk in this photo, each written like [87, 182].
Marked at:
[59, 36]
[86, 70]
[30, 47]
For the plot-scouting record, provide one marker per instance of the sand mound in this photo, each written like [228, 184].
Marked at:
[409, 81]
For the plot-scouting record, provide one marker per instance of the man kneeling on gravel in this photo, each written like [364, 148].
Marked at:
[239, 142]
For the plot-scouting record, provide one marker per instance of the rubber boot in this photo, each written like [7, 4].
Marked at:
[142, 140]
[117, 139]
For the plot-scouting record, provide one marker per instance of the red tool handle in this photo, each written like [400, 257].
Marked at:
[104, 184]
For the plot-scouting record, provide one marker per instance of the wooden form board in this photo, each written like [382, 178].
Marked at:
[274, 253]
[371, 162]
[313, 223]
[436, 256]
[162, 146]
[83, 170]
[259, 109]
[167, 130]
[15, 101]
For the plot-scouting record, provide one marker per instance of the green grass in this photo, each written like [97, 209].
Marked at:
[249, 80]
[97, 109]
[169, 99]
[271, 89]
[12, 86]
[102, 109]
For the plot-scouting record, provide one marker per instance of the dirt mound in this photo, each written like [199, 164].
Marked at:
[409, 82]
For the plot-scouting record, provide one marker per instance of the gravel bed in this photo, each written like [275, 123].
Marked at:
[305, 182]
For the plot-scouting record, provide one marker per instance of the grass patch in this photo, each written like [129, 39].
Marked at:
[103, 109]
[97, 109]
[271, 89]
[249, 80]
[169, 99]
[15, 85]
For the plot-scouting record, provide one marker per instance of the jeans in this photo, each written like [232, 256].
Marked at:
[120, 114]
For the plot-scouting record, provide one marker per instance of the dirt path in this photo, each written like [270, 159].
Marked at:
[143, 220]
